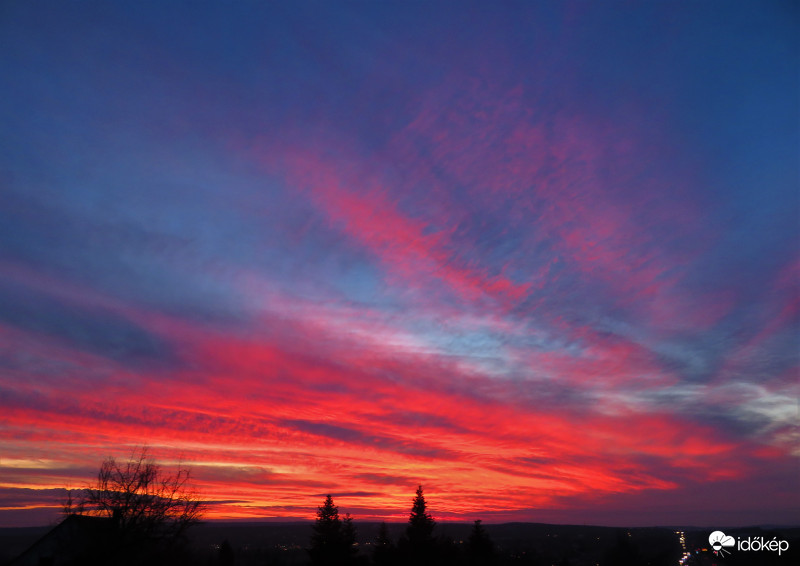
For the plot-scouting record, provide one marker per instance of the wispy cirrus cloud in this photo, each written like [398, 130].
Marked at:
[522, 253]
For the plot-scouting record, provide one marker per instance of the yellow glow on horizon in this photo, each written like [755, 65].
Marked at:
[37, 464]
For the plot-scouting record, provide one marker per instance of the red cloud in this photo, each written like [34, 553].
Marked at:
[265, 426]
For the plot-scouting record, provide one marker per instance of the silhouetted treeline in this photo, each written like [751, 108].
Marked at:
[529, 544]
[333, 541]
[336, 540]
[514, 544]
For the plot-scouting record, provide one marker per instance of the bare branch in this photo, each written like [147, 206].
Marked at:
[143, 500]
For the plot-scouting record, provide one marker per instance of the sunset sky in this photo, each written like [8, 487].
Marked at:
[542, 258]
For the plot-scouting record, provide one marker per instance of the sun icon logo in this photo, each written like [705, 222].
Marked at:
[719, 541]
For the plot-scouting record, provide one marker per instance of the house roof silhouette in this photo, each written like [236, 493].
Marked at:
[78, 539]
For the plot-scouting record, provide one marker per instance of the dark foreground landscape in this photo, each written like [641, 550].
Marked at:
[534, 544]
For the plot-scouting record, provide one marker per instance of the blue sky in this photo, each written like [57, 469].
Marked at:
[550, 249]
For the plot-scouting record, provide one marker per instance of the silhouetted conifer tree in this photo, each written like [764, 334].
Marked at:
[384, 553]
[480, 547]
[418, 545]
[327, 535]
[333, 542]
[420, 523]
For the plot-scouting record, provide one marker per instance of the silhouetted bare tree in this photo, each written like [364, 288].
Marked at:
[146, 504]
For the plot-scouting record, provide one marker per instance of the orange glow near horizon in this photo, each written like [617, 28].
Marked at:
[262, 446]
